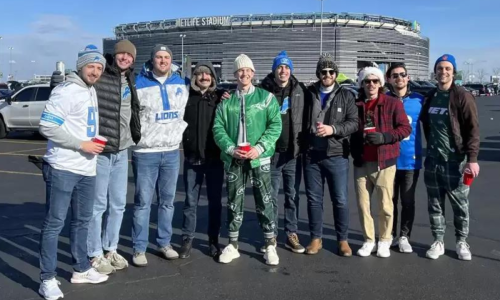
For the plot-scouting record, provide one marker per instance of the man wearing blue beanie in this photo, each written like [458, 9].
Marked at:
[286, 163]
[450, 122]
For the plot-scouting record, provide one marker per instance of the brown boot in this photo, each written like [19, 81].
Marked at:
[314, 247]
[344, 249]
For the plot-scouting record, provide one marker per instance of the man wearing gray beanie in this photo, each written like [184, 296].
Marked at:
[163, 95]
[331, 117]
[70, 122]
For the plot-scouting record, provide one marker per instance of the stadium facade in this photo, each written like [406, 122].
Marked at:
[354, 40]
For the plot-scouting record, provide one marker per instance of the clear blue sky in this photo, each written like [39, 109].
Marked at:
[47, 31]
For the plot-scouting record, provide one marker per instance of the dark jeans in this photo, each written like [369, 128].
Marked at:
[405, 183]
[285, 165]
[193, 179]
[335, 169]
[65, 189]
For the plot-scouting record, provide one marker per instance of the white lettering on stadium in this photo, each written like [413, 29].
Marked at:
[209, 21]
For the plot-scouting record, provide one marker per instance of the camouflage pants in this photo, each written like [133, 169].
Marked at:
[445, 178]
[237, 175]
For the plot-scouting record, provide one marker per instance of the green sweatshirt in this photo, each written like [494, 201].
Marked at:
[262, 120]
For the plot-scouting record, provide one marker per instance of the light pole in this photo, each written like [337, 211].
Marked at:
[1, 74]
[321, 30]
[182, 36]
[34, 73]
[10, 61]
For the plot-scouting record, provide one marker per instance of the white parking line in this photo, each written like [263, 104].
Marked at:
[22, 142]
[20, 173]
[28, 150]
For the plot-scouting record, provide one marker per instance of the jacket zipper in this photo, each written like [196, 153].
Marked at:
[378, 148]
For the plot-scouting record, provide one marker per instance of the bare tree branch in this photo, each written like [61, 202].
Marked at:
[481, 74]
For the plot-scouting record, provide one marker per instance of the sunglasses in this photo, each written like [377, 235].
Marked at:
[396, 75]
[325, 72]
[374, 81]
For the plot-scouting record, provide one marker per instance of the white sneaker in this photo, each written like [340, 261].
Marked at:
[367, 249]
[384, 249]
[91, 276]
[404, 245]
[436, 250]
[271, 256]
[228, 254]
[463, 251]
[102, 265]
[169, 252]
[116, 260]
[49, 289]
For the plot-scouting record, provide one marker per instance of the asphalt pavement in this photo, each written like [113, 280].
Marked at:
[322, 276]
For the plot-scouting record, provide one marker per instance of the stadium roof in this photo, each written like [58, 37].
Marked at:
[289, 19]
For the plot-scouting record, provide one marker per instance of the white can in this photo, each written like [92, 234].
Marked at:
[60, 67]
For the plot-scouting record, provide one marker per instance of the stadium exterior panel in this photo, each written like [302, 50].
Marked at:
[354, 40]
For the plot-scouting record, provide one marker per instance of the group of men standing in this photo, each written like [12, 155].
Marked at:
[278, 131]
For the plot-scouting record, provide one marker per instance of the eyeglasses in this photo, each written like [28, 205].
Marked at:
[324, 72]
[396, 75]
[374, 81]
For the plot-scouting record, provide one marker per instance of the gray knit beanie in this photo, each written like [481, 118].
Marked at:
[326, 62]
[160, 47]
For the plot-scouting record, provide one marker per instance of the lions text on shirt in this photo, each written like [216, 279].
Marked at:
[73, 108]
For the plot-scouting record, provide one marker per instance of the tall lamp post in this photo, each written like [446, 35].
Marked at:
[1, 74]
[10, 62]
[321, 30]
[182, 36]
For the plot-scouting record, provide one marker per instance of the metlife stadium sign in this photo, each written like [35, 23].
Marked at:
[202, 22]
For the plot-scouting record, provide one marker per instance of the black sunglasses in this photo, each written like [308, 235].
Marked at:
[367, 81]
[396, 75]
[324, 72]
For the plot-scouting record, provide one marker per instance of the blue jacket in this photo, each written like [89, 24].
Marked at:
[162, 110]
[411, 147]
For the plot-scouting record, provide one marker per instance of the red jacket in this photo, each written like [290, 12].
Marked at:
[391, 120]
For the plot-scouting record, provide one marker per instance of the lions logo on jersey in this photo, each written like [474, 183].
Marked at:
[267, 198]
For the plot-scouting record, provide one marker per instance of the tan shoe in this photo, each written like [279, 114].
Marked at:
[314, 247]
[344, 249]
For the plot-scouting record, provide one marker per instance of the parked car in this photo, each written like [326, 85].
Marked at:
[22, 110]
[474, 92]
[481, 88]
[4, 93]
[425, 83]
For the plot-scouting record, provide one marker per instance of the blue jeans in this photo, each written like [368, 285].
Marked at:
[156, 170]
[193, 180]
[62, 190]
[335, 169]
[110, 191]
[285, 165]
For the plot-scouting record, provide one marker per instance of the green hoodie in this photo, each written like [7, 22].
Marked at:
[263, 125]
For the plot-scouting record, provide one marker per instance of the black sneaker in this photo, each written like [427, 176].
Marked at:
[293, 243]
[214, 248]
[185, 250]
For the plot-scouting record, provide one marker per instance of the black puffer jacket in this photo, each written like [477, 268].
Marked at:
[340, 111]
[108, 89]
[198, 139]
[299, 95]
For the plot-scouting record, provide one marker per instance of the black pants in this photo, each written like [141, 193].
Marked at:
[405, 183]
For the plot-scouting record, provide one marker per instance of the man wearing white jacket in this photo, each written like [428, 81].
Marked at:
[70, 121]
[163, 95]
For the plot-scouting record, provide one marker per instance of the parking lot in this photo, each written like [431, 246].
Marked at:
[323, 276]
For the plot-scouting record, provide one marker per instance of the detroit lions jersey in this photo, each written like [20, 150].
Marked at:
[73, 108]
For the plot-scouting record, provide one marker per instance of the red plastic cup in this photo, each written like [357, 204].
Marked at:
[245, 147]
[100, 140]
[468, 178]
[369, 129]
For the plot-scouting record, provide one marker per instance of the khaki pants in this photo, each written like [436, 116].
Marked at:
[368, 179]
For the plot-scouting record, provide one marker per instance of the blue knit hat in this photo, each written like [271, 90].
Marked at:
[90, 55]
[282, 59]
[446, 57]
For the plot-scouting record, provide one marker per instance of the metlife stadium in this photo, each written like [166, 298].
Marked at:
[354, 40]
